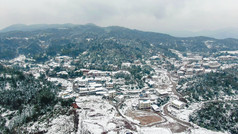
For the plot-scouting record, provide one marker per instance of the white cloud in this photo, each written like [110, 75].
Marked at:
[152, 15]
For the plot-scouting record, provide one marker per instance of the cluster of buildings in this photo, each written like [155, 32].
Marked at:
[148, 100]
[194, 65]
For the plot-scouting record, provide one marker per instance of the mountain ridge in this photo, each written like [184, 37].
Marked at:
[107, 42]
[216, 34]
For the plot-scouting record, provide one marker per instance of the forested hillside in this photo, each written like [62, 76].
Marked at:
[100, 44]
[24, 99]
[218, 116]
[216, 92]
[210, 86]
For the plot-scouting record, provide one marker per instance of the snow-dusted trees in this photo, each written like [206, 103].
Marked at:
[210, 86]
[27, 97]
[221, 116]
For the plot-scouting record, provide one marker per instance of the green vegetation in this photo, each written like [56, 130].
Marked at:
[210, 86]
[218, 116]
[28, 98]
[162, 100]
[217, 113]
[138, 73]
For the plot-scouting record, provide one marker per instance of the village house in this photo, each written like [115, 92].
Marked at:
[109, 85]
[119, 98]
[144, 104]
[144, 94]
[97, 73]
[180, 73]
[62, 74]
[80, 83]
[161, 92]
[214, 64]
[178, 104]
[62, 59]
[189, 71]
[85, 71]
[112, 94]
[155, 108]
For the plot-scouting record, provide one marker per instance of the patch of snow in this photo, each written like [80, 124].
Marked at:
[208, 43]
[20, 58]
[154, 130]
[204, 131]
[8, 86]
[230, 52]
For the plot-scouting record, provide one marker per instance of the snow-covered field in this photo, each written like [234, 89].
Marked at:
[97, 115]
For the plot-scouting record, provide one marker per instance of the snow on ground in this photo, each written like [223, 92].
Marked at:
[65, 83]
[184, 113]
[177, 53]
[230, 52]
[208, 43]
[93, 128]
[8, 86]
[19, 59]
[129, 106]
[204, 131]
[36, 75]
[61, 125]
[154, 130]
[97, 115]
[5, 114]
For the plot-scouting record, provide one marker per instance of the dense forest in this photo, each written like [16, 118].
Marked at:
[101, 45]
[218, 116]
[214, 92]
[26, 99]
[210, 86]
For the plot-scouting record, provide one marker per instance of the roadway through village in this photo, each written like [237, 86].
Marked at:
[165, 108]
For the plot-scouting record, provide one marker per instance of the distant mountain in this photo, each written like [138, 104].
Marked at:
[100, 44]
[219, 34]
[23, 27]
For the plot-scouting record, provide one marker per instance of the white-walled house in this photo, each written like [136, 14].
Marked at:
[144, 104]
[155, 108]
[119, 98]
[112, 93]
[178, 104]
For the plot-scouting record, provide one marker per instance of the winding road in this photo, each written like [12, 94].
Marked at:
[165, 108]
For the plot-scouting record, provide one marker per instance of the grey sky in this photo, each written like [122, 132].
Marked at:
[150, 15]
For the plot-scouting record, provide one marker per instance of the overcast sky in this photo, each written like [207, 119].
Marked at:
[149, 15]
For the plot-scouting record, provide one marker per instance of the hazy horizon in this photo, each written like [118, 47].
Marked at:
[150, 15]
